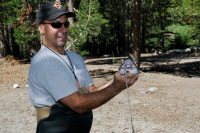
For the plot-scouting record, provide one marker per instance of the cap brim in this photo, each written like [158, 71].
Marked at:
[56, 15]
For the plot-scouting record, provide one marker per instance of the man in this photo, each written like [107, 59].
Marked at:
[60, 87]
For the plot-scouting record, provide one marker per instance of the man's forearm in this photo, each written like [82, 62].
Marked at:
[90, 101]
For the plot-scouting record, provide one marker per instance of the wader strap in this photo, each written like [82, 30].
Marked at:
[83, 90]
[42, 112]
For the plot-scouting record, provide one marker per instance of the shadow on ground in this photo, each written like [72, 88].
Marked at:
[191, 69]
[101, 73]
[166, 63]
[171, 64]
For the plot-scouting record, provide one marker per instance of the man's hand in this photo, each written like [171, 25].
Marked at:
[122, 81]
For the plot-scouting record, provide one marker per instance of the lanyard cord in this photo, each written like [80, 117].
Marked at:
[71, 68]
[129, 103]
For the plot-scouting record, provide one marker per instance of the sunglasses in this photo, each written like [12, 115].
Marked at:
[58, 24]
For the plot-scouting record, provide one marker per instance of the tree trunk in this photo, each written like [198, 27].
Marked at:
[58, 1]
[135, 43]
[143, 26]
[4, 41]
[71, 20]
[2, 48]
[70, 5]
[15, 47]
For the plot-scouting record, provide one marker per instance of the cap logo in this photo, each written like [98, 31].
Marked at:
[57, 5]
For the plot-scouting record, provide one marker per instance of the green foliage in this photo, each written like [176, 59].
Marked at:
[18, 21]
[10, 16]
[89, 22]
[24, 35]
[83, 53]
[180, 17]
[187, 12]
[152, 43]
[24, 31]
[183, 36]
[103, 25]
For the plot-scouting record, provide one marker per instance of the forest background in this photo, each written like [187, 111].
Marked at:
[109, 27]
[165, 99]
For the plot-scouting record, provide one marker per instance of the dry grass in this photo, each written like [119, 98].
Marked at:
[9, 60]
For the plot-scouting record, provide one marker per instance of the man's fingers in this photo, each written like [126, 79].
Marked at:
[134, 79]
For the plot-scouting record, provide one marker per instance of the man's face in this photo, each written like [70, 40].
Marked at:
[54, 33]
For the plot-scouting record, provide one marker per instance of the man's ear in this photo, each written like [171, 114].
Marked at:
[41, 29]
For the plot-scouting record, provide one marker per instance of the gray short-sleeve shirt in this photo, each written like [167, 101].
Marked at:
[50, 76]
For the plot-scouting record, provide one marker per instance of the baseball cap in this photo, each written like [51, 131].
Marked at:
[51, 11]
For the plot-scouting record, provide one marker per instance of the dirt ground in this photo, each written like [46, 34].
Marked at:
[165, 99]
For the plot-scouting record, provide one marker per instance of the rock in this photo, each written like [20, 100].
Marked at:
[152, 89]
[15, 86]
